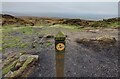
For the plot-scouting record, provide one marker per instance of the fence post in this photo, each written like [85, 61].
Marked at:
[60, 53]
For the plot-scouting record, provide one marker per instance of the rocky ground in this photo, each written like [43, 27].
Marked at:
[81, 60]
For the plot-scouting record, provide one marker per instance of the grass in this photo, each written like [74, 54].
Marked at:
[8, 61]
[53, 29]
[16, 41]
[7, 29]
[10, 45]
[67, 26]
[24, 66]
[22, 29]
[23, 45]
[0, 38]
[9, 67]
[27, 30]
[114, 25]
[13, 42]
[48, 43]
[60, 34]
[10, 41]
[18, 72]
[1, 48]
[13, 39]
[104, 24]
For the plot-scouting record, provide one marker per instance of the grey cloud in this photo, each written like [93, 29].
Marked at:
[33, 8]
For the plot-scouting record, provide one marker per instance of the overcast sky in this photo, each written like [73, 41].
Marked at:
[60, 0]
[53, 9]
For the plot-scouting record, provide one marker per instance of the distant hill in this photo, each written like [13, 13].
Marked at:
[12, 20]
[36, 21]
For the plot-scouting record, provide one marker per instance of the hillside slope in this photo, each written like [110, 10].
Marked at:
[37, 21]
[11, 20]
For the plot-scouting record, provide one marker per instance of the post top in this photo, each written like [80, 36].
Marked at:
[60, 36]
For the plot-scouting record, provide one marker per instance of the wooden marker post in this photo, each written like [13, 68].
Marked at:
[60, 52]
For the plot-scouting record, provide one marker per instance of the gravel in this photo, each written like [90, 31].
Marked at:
[88, 60]
[80, 61]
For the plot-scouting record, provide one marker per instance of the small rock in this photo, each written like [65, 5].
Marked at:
[50, 36]
[35, 41]
[106, 40]
[23, 58]
[0, 60]
[40, 75]
[22, 53]
[34, 56]
[33, 46]
[93, 39]
[40, 36]
[41, 43]
[8, 74]
[93, 31]
[39, 65]
[19, 64]
[66, 35]
[82, 40]
[74, 73]
[74, 64]
[68, 71]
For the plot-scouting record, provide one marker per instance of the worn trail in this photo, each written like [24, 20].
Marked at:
[80, 61]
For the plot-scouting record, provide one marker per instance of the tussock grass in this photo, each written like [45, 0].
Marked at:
[9, 67]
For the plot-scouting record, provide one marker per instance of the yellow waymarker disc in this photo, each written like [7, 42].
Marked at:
[60, 46]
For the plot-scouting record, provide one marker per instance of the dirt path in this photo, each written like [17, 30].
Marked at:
[90, 60]
[80, 60]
